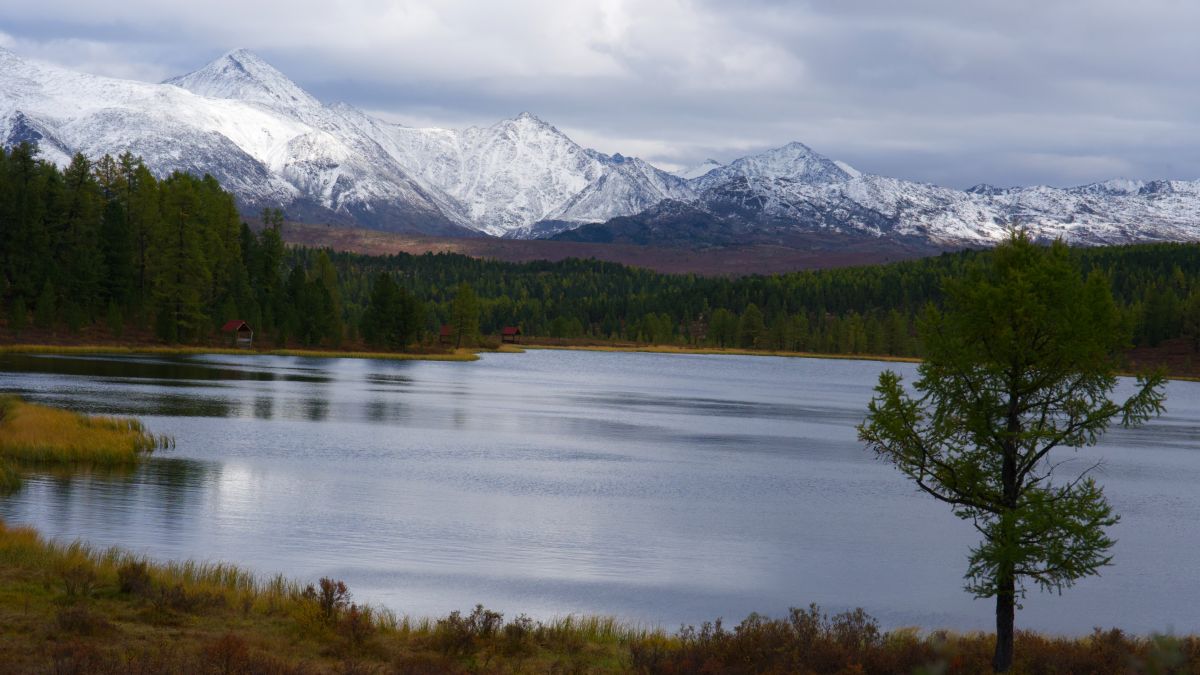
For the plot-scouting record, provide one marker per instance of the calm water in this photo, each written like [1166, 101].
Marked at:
[660, 488]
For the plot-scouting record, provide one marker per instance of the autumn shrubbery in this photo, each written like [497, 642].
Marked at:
[112, 612]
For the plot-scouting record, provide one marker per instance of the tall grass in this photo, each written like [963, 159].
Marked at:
[39, 434]
[111, 611]
[10, 478]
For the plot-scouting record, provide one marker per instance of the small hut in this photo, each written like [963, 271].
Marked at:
[510, 334]
[446, 335]
[240, 333]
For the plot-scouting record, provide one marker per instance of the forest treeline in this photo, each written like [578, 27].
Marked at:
[105, 244]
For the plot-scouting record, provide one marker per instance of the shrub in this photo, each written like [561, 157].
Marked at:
[333, 598]
[133, 578]
[461, 635]
[78, 577]
[81, 620]
[356, 627]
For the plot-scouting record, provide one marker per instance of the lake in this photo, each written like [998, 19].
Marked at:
[658, 488]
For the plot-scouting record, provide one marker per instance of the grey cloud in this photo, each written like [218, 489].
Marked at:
[1017, 92]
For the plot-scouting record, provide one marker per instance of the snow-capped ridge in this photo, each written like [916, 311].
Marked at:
[242, 75]
[794, 161]
[273, 144]
[698, 170]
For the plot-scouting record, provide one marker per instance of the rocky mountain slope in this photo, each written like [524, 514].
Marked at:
[273, 144]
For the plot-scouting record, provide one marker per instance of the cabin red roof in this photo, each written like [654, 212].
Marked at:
[235, 325]
[447, 330]
[510, 330]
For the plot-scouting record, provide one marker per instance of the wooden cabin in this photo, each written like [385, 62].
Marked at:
[240, 333]
[446, 334]
[510, 334]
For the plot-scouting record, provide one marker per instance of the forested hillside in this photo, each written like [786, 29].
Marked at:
[104, 244]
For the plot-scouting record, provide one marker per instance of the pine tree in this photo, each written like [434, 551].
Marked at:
[751, 329]
[465, 318]
[18, 315]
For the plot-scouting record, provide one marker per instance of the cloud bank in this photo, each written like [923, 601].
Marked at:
[956, 93]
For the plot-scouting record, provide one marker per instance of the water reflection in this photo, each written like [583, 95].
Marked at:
[264, 407]
[653, 487]
[159, 496]
[171, 371]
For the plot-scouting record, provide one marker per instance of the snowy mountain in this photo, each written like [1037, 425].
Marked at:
[277, 146]
[793, 189]
[697, 170]
[273, 144]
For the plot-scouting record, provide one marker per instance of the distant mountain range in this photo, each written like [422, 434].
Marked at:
[273, 144]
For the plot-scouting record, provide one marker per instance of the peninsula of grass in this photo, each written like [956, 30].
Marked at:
[37, 435]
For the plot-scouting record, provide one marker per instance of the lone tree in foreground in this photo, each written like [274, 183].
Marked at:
[1021, 361]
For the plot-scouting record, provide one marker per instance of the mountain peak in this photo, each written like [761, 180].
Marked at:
[529, 118]
[794, 161]
[243, 75]
[697, 170]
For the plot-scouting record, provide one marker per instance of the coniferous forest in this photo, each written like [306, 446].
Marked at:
[106, 244]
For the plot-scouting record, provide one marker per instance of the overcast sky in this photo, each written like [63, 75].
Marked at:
[955, 92]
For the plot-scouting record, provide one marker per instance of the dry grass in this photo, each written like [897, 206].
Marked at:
[10, 478]
[38, 434]
[71, 608]
[678, 349]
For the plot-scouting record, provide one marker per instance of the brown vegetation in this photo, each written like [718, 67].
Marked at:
[39, 434]
[812, 253]
[72, 609]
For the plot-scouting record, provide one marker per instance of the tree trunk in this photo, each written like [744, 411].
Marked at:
[1005, 617]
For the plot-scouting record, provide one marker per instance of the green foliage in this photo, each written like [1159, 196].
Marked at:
[18, 315]
[107, 241]
[173, 254]
[115, 319]
[46, 311]
[393, 318]
[1021, 361]
[751, 329]
[465, 317]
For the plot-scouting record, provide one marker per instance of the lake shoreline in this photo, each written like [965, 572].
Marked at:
[467, 354]
[105, 611]
[140, 350]
[716, 351]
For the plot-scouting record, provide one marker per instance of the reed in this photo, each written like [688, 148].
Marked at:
[10, 478]
[36, 434]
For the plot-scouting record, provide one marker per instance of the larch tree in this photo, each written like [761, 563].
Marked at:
[1020, 363]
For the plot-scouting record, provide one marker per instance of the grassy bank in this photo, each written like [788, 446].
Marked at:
[677, 349]
[456, 355]
[43, 436]
[1185, 372]
[68, 608]
[36, 434]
